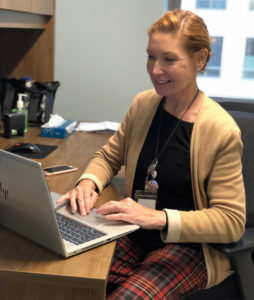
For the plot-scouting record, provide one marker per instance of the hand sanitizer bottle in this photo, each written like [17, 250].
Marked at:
[20, 109]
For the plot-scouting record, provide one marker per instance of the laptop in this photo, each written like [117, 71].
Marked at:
[28, 208]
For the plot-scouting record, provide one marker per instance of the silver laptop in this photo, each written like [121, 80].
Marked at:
[27, 207]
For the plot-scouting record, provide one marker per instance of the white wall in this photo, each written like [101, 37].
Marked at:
[100, 57]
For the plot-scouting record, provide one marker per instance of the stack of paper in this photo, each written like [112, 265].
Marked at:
[97, 126]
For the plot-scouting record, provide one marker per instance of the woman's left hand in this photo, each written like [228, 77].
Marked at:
[130, 211]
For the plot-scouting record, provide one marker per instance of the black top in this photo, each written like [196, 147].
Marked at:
[173, 170]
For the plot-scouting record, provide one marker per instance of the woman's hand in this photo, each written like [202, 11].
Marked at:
[82, 197]
[130, 211]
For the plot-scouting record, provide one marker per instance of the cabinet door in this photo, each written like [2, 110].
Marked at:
[43, 7]
[27, 39]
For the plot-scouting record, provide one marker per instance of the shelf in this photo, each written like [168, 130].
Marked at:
[27, 39]
[22, 20]
[40, 7]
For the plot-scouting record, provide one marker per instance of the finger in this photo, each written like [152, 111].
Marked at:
[93, 196]
[73, 201]
[80, 197]
[125, 205]
[86, 195]
[123, 217]
[63, 198]
[110, 207]
[103, 208]
[119, 217]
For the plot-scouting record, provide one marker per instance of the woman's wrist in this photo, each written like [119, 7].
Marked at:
[162, 220]
[89, 184]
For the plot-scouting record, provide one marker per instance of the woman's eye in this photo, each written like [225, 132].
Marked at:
[171, 60]
[150, 57]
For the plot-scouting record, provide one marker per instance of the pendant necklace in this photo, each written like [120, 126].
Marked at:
[151, 185]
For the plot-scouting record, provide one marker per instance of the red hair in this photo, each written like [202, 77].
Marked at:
[191, 27]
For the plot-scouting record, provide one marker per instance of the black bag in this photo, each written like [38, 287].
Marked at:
[39, 98]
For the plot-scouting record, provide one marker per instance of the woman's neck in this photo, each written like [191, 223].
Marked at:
[186, 106]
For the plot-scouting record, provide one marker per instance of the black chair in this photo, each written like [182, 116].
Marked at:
[240, 285]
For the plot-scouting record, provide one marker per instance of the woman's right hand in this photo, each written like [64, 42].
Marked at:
[83, 197]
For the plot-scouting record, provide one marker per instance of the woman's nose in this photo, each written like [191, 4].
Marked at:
[157, 68]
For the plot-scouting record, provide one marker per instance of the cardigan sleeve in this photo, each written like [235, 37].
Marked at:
[218, 190]
[124, 146]
[107, 161]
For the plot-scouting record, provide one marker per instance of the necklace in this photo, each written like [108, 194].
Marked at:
[151, 185]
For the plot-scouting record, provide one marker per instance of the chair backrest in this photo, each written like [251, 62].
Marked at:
[243, 113]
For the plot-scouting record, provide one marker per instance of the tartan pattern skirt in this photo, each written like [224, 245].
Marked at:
[171, 272]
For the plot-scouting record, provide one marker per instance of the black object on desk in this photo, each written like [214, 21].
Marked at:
[14, 121]
[25, 148]
[44, 151]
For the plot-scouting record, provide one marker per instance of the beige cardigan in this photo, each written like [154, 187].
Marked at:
[216, 173]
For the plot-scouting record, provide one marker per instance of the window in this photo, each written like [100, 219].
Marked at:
[213, 67]
[251, 5]
[230, 72]
[211, 4]
[248, 68]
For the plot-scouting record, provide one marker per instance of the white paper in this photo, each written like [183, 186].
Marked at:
[97, 126]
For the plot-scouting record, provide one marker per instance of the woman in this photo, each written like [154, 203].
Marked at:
[182, 149]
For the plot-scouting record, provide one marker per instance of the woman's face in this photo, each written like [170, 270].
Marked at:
[172, 70]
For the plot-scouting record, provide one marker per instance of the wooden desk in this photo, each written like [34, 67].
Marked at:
[29, 271]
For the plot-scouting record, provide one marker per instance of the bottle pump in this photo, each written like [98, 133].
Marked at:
[20, 109]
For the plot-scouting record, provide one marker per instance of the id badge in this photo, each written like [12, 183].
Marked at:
[146, 199]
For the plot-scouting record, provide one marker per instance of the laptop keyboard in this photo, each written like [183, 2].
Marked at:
[75, 232]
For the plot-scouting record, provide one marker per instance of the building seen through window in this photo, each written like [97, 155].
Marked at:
[213, 68]
[214, 4]
[230, 72]
[248, 71]
[251, 4]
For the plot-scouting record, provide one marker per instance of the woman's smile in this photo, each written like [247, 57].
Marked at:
[171, 69]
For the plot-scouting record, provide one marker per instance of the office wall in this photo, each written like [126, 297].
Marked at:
[100, 57]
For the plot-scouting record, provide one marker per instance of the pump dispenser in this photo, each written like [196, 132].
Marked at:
[20, 109]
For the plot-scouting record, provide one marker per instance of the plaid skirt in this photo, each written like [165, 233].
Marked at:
[171, 272]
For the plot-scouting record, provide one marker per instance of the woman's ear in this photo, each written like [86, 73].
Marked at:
[201, 59]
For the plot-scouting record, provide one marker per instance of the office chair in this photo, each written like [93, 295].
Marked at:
[240, 285]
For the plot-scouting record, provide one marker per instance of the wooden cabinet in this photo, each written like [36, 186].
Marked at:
[27, 39]
[43, 7]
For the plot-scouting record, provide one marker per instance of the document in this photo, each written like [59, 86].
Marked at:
[97, 126]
